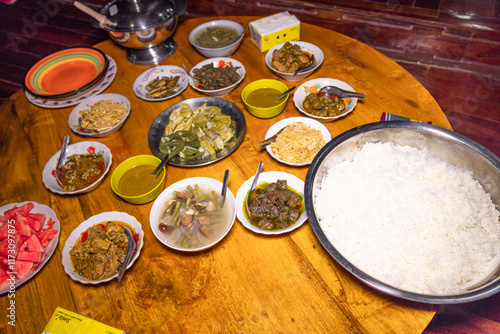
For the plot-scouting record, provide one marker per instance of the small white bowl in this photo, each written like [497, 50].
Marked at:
[84, 147]
[284, 122]
[140, 83]
[315, 85]
[167, 194]
[86, 104]
[225, 51]
[268, 177]
[129, 221]
[218, 62]
[311, 48]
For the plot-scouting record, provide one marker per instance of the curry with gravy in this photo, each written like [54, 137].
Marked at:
[100, 251]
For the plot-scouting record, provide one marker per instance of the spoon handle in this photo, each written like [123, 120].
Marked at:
[224, 188]
[285, 93]
[256, 178]
[130, 249]
[163, 162]
[102, 19]
[271, 139]
[353, 94]
[64, 147]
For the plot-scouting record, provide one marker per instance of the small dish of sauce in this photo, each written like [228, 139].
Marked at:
[138, 181]
[264, 98]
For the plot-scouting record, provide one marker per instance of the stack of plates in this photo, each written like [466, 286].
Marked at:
[68, 76]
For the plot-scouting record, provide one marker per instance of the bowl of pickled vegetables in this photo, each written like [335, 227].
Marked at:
[191, 215]
[197, 131]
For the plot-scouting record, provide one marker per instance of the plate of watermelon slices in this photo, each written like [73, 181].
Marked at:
[33, 229]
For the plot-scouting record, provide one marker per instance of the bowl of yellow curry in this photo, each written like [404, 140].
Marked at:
[133, 182]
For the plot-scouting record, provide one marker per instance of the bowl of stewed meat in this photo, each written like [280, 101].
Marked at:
[293, 61]
[275, 207]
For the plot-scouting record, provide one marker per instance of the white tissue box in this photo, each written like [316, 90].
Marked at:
[275, 29]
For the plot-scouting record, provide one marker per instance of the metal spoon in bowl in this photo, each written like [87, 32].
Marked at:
[62, 158]
[332, 91]
[271, 139]
[307, 67]
[130, 252]
[285, 93]
[163, 162]
[252, 189]
[224, 188]
[202, 86]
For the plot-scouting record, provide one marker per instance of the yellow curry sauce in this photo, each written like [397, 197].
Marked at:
[263, 97]
[138, 181]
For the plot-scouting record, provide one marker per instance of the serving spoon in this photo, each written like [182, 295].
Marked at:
[332, 91]
[252, 189]
[202, 86]
[285, 93]
[224, 188]
[62, 158]
[271, 139]
[130, 252]
[307, 67]
[158, 168]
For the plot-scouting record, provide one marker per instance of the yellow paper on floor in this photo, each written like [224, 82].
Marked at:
[67, 322]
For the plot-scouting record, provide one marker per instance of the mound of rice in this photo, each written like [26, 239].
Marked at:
[408, 219]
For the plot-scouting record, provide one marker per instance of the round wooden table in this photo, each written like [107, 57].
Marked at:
[247, 283]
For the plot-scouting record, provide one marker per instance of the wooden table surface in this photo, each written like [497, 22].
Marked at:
[247, 283]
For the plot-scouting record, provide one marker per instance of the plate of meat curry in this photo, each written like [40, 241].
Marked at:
[276, 205]
[86, 165]
[95, 250]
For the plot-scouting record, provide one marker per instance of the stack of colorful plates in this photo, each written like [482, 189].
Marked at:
[68, 76]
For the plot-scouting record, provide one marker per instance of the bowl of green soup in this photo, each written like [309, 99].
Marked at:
[261, 98]
[132, 179]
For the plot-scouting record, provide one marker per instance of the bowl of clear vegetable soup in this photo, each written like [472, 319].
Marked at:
[191, 215]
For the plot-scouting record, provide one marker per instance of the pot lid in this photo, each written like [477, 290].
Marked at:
[134, 15]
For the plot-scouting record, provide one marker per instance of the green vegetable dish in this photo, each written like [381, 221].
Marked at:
[193, 217]
[196, 134]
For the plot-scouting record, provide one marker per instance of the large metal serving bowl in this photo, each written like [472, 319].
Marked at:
[441, 143]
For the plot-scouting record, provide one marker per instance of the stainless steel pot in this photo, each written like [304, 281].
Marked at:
[143, 27]
[444, 144]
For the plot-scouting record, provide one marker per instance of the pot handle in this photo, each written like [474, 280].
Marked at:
[102, 19]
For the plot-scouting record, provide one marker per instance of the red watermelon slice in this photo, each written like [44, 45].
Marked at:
[22, 225]
[32, 245]
[3, 277]
[29, 256]
[45, 236]
[4, 231]
[10, 214]
[36, 220]
[17, 241]
[22, 268]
